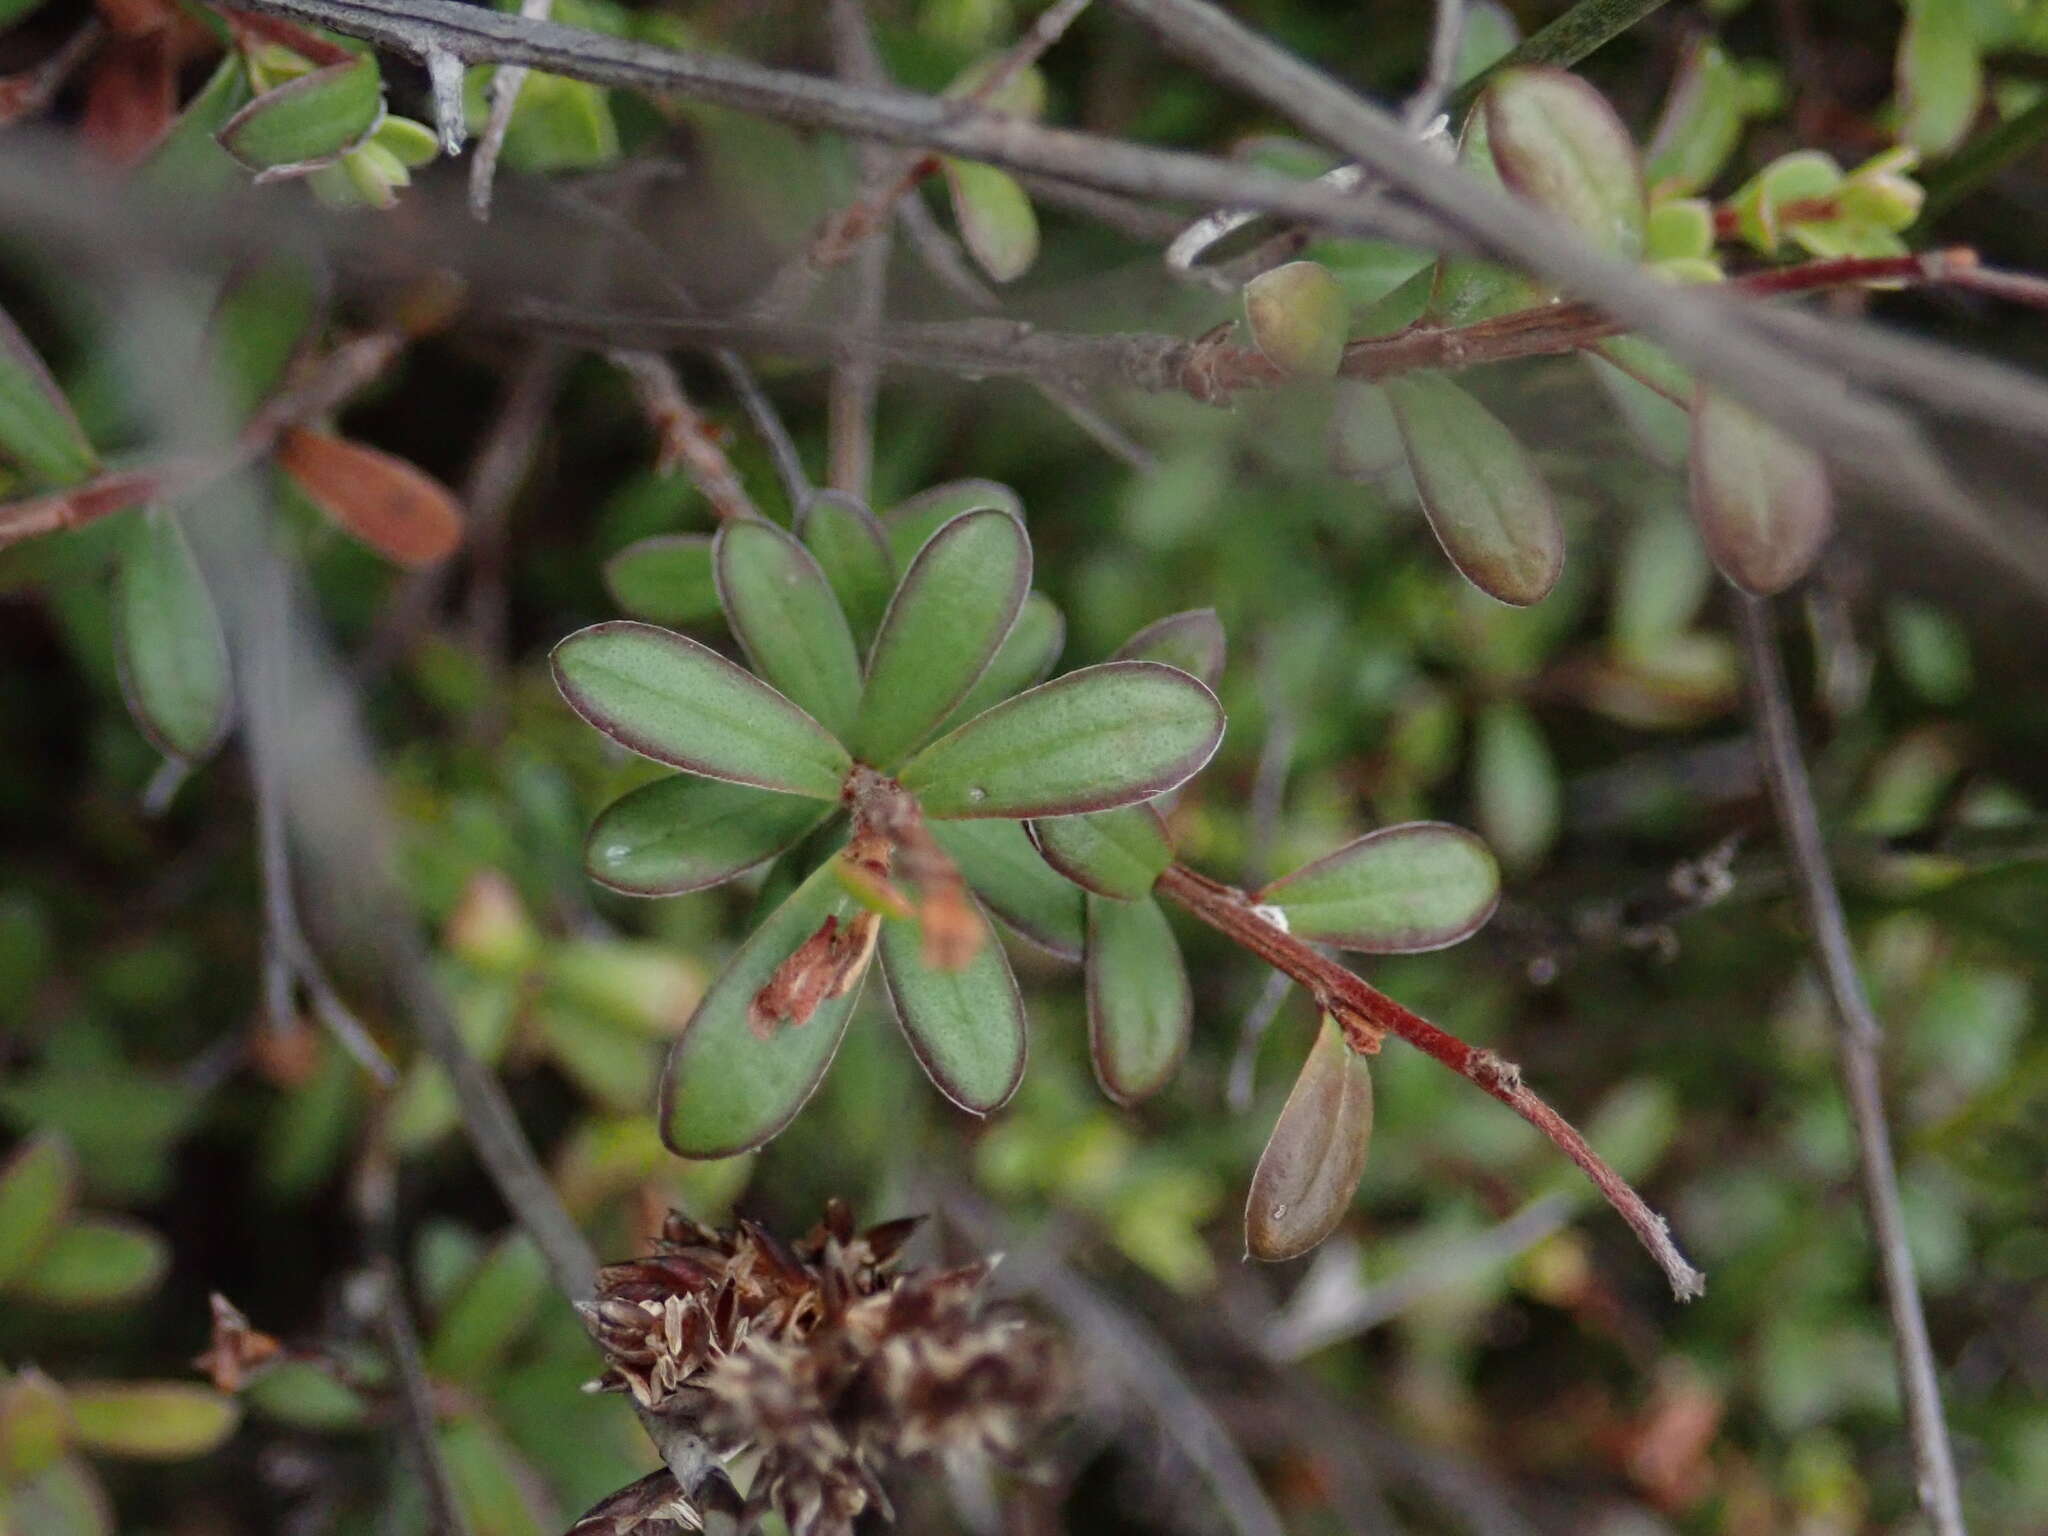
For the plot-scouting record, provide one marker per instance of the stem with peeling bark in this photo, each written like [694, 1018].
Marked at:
[1367, 1015]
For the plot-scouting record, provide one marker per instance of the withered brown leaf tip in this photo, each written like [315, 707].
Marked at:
[822, 1358]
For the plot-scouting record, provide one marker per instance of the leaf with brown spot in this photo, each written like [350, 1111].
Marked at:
[396, 508]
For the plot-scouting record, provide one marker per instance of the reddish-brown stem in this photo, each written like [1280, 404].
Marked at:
[320, 388]
[685, 439]
[1367, 1015]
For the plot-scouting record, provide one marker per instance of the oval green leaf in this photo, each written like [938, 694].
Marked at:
[966, 1027]
[911, 523]
[1090, 741]
[95, 1261]
[1940, 76]
[1485, 501]
[787, 618]
[35, 1426]
[1299, 318]
[1701, 122]
[683, 704]
[307, 1395]
[952, 610]
[1517, 793]
[1192, 641]
[1559, 145]
[997, 860]
[1316, 1154]
[478, 1328]
[1025, 657]
[1119, 854]
[307, 121]
[65, 1499]
[666, 579]
[725, 1090]
[997, 222]
[854, 552]
[1418, 886]
[1760, 498]
[37, 429]
[688, 834]
[37, 1186]
[173, 658]
[151, 1420]
[1140, 1007]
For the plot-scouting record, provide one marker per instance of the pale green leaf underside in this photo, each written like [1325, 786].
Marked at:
[1418, 886]
[966, 1027]
[173, 657]
[1140, 1007]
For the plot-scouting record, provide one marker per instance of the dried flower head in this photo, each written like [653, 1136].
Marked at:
[821, 1358]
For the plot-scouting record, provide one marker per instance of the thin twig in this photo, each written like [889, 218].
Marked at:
[1858, 1041]
[31, 90]
[1366, 1015]
[506, 85]
[857, 376]
[1121, 1344]
[1447, 32]
[1589, 25]
[386, 1303]
[686, 439]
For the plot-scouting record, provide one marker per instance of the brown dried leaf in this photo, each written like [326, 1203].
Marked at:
[826, 965]
[394, 507]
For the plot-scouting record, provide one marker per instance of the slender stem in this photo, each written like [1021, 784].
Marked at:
[506, 85]
[1857, 1040]
[1367, 1015]
[1589, 25]
[857, 376]
[1447, 32]
[685, 438]
[445, 1515]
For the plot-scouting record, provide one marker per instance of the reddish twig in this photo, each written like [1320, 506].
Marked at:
[687, 439]
[1367, 1015]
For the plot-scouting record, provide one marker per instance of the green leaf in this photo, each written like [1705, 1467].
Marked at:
[66, 1499]
[1559, 145]
[151, 1420]
[1316, 1154]
[1642, 379]
[1025, 657]
[680, 703]
[967, 1027]
[1760, 498]
[688, 834]
[1191, 641]
[1700, 125]
[997, 223]
[173, 658]
[1095, 739]
[1418, 886]
[497, 1491]
[950, 613]
[37, 428]
[37, 1187]
[783, 612]
[490, 1312]
[1489, 35]
[645, 986]
[1485, 500]
[1660, 581]
[1760, 204]
[559, 124]
[1680, 228]
[996, 859]
[94, 1262]
[1140, 1007]
[1516, 792]
[1940, 76]
[1119, 854]
[726, 1090]
[307, 1395]
[261, 322]
[308, 120]
[1464, 289]
[854, 553]
[1299, 318]
[35, 1427]
[188, 160]
[666, 579]
[909, 524]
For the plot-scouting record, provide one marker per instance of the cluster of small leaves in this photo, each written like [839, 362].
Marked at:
[1043, 802]
[52, 1255]
[1761, 500]
[173, 656]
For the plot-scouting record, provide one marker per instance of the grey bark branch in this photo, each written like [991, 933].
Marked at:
[1857, 1041]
